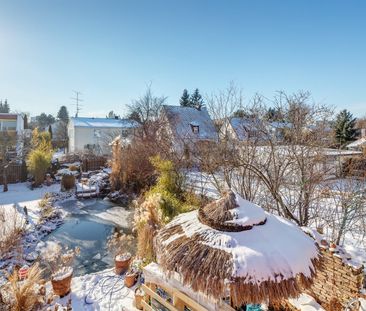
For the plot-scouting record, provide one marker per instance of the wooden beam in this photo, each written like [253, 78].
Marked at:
[146, 307]
[154, 295]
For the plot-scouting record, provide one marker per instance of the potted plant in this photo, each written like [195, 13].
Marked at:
[60, 263]
[139, 296]
[120, 245]
[133, 273]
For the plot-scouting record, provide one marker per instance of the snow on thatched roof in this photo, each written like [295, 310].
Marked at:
[182, 120]
[232, 247]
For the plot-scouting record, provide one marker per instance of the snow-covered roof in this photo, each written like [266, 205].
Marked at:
[181, 119]
[358, 143]
[280, 125]
[339, 152]
[241, 126]
[103, 123]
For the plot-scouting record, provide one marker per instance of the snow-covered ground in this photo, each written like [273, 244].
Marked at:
[19, 196]
[100, 291]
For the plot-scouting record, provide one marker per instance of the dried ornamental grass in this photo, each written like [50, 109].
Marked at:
[25, 293]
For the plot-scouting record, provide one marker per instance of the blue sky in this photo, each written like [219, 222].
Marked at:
[110, 51]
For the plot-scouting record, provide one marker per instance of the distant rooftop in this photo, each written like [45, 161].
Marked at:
[182, 119]
[103, 122]
[358, 143]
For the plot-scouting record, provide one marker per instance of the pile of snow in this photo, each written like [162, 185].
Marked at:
[62, 274]
[66, 171]
[306, 303]
[247, 213]
[123, 257]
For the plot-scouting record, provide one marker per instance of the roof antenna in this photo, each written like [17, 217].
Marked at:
[77, 100]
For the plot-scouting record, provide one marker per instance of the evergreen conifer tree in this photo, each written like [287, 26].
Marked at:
[196, 100]
[344, 127]
[63, 114]
[185, 100]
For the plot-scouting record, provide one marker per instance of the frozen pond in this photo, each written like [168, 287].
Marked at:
[88, 225]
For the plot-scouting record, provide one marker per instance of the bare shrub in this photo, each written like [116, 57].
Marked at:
[131, 167]
[280, 160]
[67, 182]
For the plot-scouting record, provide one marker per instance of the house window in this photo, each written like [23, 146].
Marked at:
[9, 125]
[195, 129]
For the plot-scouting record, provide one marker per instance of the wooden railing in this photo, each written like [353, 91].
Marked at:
[179, 300]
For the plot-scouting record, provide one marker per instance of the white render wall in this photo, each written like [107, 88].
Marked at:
[79, 137]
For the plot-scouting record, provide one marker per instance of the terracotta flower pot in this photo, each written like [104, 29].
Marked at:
[139, 296]
[122, 263]
[130, 279]
[61, 287]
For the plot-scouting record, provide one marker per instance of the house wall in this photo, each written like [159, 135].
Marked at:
[79, 137]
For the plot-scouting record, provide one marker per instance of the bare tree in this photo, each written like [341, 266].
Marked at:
[146, 110]
[276, 164]
[344, 209]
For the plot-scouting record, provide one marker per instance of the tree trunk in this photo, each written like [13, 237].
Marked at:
[5, 178]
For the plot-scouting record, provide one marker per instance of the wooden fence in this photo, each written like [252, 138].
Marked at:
[93, 164]
[15, 173]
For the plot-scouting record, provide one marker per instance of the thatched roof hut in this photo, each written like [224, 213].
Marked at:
[232, 248]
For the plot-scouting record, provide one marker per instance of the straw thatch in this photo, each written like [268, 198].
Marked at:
[198, 245]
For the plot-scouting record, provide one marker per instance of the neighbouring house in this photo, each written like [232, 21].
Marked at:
[253, 130]
[13, 139]
[95, 134]
[241, 129]
[13, 124]
[278, 129]
[334, 160]
[359, 144]
[188, 127]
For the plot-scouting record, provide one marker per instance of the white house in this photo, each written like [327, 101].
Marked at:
[359, 144]
[95, 134]
[13, 124]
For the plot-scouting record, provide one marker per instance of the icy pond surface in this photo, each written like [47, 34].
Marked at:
[88, 225]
